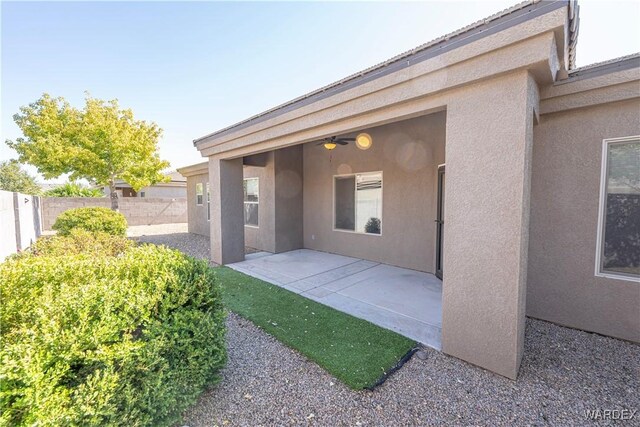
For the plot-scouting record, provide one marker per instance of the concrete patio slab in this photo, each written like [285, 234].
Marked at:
[406, 301]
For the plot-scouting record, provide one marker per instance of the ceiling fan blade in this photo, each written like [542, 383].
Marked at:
[346, 139]
[341, 142]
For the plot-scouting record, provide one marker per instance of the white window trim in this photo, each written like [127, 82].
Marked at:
[601, 210]
[252, 203]
[201, 185]
[333, 212]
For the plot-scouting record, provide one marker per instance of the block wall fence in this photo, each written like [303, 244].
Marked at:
[138, 211]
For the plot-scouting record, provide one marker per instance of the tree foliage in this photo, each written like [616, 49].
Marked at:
[14, 178]
[101, 143]
[73, 189]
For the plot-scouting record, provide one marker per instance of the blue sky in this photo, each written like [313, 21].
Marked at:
[200, 66]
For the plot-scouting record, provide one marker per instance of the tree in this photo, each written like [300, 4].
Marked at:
[13, 178]
[100, 143]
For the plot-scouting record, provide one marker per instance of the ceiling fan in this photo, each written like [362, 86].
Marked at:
[331, 143]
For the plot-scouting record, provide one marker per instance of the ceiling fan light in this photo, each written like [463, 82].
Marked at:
[329, 145]
[364, 141]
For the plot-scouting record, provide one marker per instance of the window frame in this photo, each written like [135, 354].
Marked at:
[245, 202]
[200, 187]
[355, 190]
[208, 191]
[602, 204]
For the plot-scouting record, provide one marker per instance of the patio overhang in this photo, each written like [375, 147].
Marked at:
[486, 94]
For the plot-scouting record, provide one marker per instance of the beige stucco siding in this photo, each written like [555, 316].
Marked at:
[488, 149]
[197, 214]
[262, 236]
[163, 191]
[280, 179]
[562, 286]
[408, 154]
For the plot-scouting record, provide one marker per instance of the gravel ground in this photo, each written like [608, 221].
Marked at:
[175, 236]
[159, 229]
[564, 372]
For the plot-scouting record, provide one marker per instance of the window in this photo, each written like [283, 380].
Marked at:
[199, 194]
[142, 194]
[358, 202]
[208, 203]
[251, 189]
[619, 222]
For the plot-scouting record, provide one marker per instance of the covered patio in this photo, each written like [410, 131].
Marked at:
[406, 301]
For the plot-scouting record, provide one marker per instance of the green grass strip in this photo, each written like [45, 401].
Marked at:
[353, 350]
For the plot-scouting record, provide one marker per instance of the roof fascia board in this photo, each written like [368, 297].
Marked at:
[591, 71]
[591, 98]
[196, 169]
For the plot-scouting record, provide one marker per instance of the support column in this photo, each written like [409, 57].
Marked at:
[288, 199]
[488, 157]
[227, 215]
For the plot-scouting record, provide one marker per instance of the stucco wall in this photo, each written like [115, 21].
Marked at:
[408, 153]
[280, 201]
[138, 211]
[489, 145]
[155, 191]
[163, 191]
[197, 214]
[288, 199]
[562, 286]
[262, 237]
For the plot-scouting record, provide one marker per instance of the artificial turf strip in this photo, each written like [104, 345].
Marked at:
[353, 350]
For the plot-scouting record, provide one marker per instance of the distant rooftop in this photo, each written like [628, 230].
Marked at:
[176, 176]
[611, 65]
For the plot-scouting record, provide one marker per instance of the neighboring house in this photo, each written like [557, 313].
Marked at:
[540, 214]
[175, 188]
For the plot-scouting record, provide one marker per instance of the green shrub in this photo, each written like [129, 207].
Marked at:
[72, 189]
[80, 241]
[102, 340]
[91, 219]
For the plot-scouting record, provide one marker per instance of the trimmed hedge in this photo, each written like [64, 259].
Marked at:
[80, 241]
[92, 340]
[91, 219]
